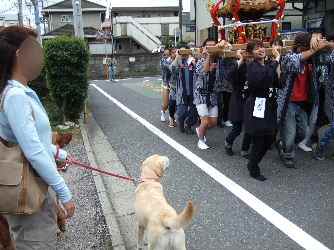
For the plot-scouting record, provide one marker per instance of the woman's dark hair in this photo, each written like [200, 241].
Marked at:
[302, 40]
[253, 44]
[11, 39]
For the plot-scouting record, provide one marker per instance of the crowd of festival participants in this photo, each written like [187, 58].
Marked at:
[276, 100]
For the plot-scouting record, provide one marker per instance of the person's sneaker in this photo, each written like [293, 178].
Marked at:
[244, 154]
[228, 124]
[228, 149]
[319, 154]
[279, 147]
[289, 163]
[172, 123]
[162, 117]
[304, 147]
[197, 132]
[202, 145]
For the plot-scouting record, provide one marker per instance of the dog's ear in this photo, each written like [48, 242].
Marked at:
[161, 165]
[164, 162]
[150, 160]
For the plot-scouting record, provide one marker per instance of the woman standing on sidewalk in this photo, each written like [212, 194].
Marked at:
[23, 121]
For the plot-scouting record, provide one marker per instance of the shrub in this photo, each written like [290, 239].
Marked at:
[40, 86]
[168, 42]
[66, 64]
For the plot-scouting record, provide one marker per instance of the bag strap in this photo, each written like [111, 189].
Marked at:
[2, 101]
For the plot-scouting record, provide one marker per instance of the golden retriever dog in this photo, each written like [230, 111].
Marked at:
[163, 226]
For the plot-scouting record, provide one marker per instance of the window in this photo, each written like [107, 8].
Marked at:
[191, 27]
[66, 19]
[103, 17]
[213, 33]
[146, 14]
[165, 29]
[286, 26]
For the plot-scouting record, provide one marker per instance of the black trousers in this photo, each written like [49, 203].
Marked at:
[226, 105]
[220, 103]
[261, 144]
[187, 113]
[235, 132]
[172, 108]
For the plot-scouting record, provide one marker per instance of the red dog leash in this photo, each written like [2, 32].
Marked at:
[74, 162]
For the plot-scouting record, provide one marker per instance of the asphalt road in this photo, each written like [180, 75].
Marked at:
[305, 196]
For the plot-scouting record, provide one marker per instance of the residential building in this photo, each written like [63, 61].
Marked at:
[61, 14]
[138, 29]
[59, 20]
[141, 27]
[318, 15]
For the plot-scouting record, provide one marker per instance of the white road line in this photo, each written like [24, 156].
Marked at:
[290, 229]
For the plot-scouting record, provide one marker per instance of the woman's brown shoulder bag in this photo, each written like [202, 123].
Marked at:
[22, 191]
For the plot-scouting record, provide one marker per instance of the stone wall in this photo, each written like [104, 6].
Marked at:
[146, 64]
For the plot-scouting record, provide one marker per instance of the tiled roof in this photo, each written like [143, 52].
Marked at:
[67, 4]
[144, 3]
[68, 30]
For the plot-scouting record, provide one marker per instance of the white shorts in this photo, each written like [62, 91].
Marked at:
[204, 111]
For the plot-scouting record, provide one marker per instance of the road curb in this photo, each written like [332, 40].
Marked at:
[116, 196]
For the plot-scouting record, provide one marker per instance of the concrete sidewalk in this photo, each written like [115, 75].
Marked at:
[116, 195]
[87, 229]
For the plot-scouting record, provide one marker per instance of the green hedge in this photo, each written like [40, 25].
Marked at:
[66, 65]
[40, 85]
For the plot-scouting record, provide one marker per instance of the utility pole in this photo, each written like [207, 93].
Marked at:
[44, 27]
[37, 20]
[180, 20]
[20, 14]
[77, 19]
[196, 33]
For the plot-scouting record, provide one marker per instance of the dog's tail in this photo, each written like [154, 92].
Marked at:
[181, 220]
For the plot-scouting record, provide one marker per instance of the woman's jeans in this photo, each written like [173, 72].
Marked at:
[293, 130]
[111, 74]
[327, 137]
